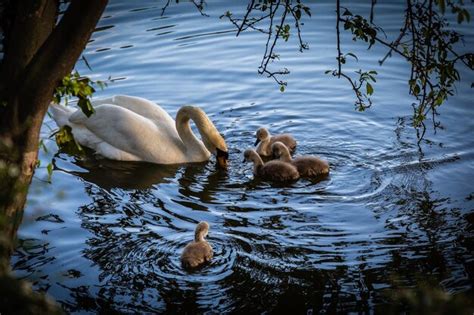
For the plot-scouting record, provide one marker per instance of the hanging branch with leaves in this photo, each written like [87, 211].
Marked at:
[364, 78]
[426, 41]
[428, 44]
[273, 18]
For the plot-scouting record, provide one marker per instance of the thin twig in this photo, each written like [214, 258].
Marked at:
[249, 9]
[339, 54]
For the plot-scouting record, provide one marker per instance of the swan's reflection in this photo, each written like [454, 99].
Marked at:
[109, 174]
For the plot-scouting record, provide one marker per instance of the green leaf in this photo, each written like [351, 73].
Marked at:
[467, 15]
[86, 106]
[50, 171]
[352, 55]
[42, 146]
[370, 89]
[307, 11]
[282, 88]
[416, 89]
[65, 140]
[298, 14]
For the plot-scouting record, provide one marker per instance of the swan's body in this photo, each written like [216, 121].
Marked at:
[273, 170]
[265, 141]
[307, 166]
[199, 251]
[130, 128]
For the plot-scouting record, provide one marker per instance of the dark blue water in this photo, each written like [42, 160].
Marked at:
[107, 235]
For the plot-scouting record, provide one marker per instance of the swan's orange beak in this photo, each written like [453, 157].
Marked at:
[222, 158]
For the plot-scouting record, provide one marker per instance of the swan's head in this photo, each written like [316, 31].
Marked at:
[215, 143]
[202, 229]
[212, 139]
[210, 136]
[262, 134]
[279, 149]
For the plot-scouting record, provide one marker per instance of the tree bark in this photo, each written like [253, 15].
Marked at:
[31, 70]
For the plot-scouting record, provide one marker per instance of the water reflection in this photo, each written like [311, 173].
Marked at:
[110, 174]
[273, 249]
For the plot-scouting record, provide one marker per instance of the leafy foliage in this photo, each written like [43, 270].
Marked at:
[82, 88]
[271, 17]
[428, 44]
[66, 141]
[74, 85]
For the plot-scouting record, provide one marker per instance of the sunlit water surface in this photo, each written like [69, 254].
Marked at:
[107, 236]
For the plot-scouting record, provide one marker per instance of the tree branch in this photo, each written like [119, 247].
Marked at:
[59, 53]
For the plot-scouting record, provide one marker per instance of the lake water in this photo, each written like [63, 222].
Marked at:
[107, 236]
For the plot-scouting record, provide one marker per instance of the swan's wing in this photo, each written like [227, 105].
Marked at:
[142, 107]
[130, 132]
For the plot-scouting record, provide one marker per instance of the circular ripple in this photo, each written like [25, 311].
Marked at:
[161, 257]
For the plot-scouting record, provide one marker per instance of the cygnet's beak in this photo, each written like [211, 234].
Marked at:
[257, 141]
[222, 157]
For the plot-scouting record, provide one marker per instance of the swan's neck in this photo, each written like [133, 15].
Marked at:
[191, 142]
[257, 163]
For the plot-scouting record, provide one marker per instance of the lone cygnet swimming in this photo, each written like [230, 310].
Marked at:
[273, 170]
[308, 166]
[265, 141]
[199, 251]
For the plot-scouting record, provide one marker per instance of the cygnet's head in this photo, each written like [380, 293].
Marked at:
[202, 229]
[262, 134]
[248, 155]
[279, 149]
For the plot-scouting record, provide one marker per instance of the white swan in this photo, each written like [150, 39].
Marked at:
[130, 128]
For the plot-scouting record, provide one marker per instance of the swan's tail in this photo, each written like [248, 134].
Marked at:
[61, 114]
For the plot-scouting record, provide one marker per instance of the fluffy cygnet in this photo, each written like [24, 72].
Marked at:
[308, 166]
[199, 251]
[273, 170]
[265, 141]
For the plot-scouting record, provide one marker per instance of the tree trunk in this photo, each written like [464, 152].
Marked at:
[38, 54]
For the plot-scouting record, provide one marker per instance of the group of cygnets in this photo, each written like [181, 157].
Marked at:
[282, 168]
